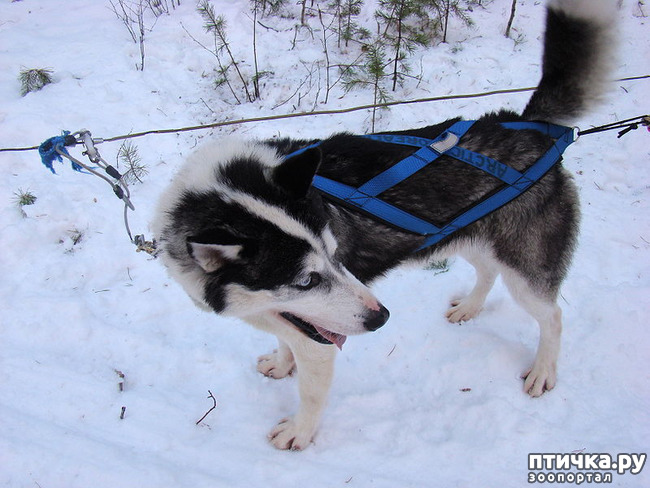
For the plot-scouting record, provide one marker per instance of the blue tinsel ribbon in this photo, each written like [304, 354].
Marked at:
[48, 151]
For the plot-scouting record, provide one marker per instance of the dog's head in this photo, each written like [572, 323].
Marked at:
[245, 234]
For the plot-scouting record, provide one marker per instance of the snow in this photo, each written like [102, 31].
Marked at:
[418, 403]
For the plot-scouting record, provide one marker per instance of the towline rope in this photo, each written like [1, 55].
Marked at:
[55, 147]
[317, 112]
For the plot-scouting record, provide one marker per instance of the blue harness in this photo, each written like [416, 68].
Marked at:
[366, 197]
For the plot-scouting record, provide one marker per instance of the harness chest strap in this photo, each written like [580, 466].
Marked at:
[366, 196]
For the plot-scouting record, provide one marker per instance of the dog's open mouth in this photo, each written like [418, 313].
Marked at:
[315, 332]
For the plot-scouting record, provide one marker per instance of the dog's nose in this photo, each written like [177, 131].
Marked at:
[376, 318]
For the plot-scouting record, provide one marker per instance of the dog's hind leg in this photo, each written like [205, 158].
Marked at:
[486, 273]
[541, 375]
[315, 367]
[278, 364]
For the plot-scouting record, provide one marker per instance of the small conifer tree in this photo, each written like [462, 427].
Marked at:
[216, 24]
[32, 80]
[371, 72]
[24, 198]
[128, 155]
[348, 29]
[405, 25]
[453, 8]
[268, 7]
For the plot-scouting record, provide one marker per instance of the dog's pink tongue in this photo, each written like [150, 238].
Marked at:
[334, 338]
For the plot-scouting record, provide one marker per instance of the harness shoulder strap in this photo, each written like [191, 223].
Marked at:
[430, 151]
[366, 198]
[564, 136]
[374, 206]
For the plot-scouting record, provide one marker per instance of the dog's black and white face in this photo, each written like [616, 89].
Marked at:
[243, 233]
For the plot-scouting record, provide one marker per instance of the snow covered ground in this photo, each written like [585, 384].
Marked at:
[419, 403]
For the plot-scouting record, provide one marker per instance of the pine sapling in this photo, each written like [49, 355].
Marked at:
[371, 73]
[128, 155]
[216, 24]
[453, 8]
[260, 8]
[406, 25]
[269, 7]
[32, 80]
[345, 12]
[24, 198]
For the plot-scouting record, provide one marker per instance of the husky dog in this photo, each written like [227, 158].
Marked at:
[245, 233]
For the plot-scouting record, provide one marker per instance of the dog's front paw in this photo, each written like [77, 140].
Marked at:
[539, 378]
[275, 365]
[463, 309]
[289, 435]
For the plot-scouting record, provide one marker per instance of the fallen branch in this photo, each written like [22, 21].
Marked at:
[214, 405]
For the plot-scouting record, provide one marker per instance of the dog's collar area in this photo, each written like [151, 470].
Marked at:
[315, 333]
[366, 197]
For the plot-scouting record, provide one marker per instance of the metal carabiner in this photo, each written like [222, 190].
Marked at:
[85, 138]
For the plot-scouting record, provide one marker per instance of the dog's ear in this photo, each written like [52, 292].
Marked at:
[211, 257]
[213, 249]
[295, 174]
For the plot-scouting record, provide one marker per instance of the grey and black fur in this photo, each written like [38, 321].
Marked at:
[245, 233]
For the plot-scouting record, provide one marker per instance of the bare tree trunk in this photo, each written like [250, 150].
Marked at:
[302, 12]
[235, 64]
[512, 17]
[374, 105]
[256, 79]
[398, 45]
[447, 9]
[327, 55]
[141, 25]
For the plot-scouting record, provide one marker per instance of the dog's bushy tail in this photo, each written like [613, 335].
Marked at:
[578, 55]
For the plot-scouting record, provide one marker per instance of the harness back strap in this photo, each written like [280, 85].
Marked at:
[366, 196]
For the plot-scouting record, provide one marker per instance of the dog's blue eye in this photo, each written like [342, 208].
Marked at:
[309, 281]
